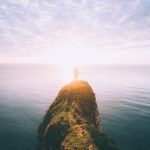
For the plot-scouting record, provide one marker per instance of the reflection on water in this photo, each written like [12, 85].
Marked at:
[122, 92]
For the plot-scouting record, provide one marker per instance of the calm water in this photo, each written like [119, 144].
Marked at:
[123, 97]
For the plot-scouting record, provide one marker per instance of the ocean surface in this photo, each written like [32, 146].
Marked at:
[122, 94]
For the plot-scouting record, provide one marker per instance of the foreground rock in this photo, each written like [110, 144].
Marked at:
[72, 122]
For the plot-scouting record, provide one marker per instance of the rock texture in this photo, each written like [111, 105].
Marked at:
[72, 122]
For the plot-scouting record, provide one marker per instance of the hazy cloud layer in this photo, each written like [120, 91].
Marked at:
[40, 30]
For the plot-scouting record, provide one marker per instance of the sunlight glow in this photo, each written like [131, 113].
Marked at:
[67, 73]
[70, 51]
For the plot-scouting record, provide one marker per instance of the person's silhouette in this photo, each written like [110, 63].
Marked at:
[76, 73]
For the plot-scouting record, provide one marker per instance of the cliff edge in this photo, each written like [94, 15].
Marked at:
[72, 122]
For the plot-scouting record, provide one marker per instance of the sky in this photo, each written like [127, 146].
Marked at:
[75, 31]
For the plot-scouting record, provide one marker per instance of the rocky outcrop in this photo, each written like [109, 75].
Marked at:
[72, 122]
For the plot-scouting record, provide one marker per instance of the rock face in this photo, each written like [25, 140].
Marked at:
[72, 122]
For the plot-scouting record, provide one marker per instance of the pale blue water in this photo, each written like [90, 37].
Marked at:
[123, 96]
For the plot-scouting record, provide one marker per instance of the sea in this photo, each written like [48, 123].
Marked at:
[122, 95]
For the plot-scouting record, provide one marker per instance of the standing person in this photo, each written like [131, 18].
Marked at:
[76, 73]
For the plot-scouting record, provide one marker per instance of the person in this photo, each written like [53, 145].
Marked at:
[76, 73]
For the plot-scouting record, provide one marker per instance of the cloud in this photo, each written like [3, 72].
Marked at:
[20, 2]
[38, 27]
[136, 3]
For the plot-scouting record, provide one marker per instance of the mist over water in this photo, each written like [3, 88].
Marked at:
[122, 94]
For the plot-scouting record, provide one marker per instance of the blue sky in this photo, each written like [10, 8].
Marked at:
[84, 31]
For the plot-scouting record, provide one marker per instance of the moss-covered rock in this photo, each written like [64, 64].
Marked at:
[72, 122]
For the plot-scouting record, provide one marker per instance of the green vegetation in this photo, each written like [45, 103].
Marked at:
[72, 122]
